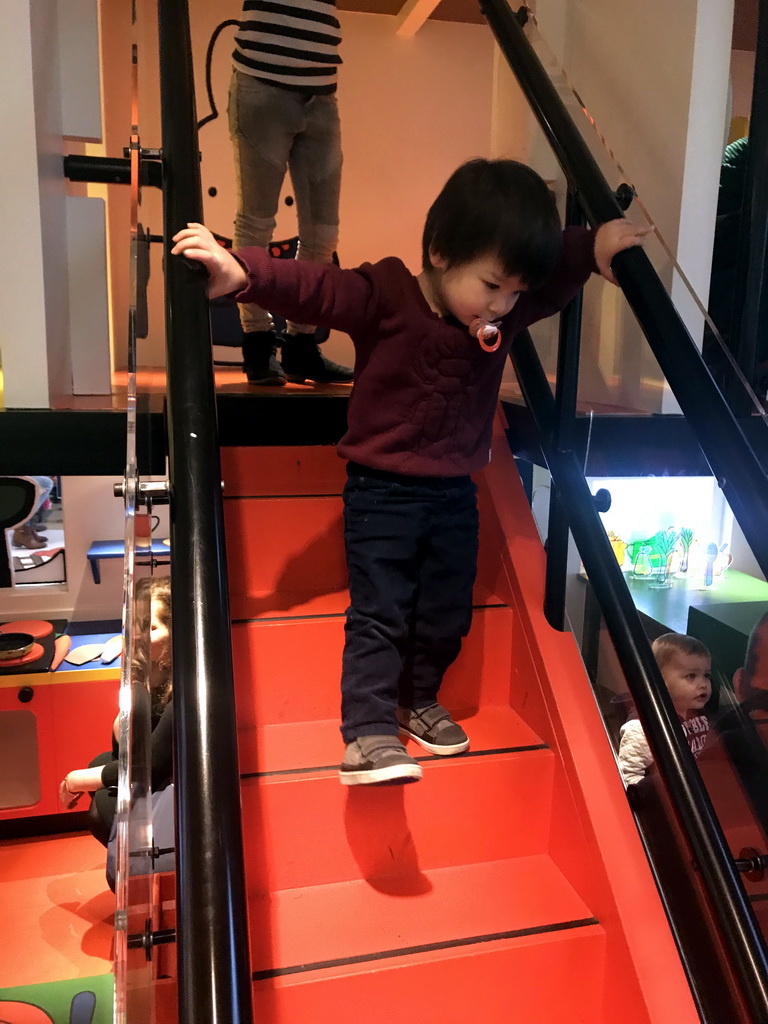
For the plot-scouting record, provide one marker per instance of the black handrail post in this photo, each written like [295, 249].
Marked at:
[213, 950]
[734, 464]
[566, 395]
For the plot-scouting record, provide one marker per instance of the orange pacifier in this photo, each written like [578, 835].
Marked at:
[488, 335]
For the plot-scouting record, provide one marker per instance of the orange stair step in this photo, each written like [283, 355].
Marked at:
[292, 470]
[369, 917]
[299, 746]
[286, 554]
[308, 829]
[550, 978]
[289, 671]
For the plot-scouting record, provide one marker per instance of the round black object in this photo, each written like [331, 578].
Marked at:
[25, 694]
[15, 645]
[602, 500]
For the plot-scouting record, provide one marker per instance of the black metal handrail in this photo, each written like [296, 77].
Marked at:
[213, 950]
[723, 442]
[728, 453]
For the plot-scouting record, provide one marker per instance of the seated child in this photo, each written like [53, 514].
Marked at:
[430, 353]
[685, 665]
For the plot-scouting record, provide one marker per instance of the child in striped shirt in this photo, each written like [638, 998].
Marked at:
[283, 116]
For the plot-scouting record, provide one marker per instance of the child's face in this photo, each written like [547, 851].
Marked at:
[159, 635]
[688, 680]
[477, 289]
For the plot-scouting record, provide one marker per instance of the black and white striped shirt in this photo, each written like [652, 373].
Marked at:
[293, 44]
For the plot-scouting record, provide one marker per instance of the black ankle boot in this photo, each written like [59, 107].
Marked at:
[302, 360]
[260, 359]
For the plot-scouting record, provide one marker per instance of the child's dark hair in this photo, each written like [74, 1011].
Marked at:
[500, 207]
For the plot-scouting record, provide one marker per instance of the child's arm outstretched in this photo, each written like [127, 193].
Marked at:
[299, 290]
[225, 274]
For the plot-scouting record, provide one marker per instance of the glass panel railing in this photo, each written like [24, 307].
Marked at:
[143, 843]
[675, 548]
[619, 372]
[707, 614]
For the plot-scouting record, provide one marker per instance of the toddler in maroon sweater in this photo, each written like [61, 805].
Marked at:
[494, 259]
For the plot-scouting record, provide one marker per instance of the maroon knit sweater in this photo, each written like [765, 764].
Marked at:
[425, 392]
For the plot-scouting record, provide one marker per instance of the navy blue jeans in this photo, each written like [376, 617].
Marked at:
[411, 545]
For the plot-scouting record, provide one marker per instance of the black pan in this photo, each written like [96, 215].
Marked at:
[15, 645]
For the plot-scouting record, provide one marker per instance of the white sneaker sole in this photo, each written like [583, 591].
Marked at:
[395, 773]
[441, 749]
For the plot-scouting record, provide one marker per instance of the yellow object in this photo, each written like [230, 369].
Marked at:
[739, 128]
[619, 546]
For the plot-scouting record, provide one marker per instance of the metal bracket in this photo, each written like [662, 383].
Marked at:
[148, 493]
[625, 195]
[147, 939]
[752, 864]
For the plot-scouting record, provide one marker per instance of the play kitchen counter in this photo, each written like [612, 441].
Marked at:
[52, 720]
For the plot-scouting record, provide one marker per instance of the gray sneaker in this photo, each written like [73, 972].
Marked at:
[434, 729]
[375, 759]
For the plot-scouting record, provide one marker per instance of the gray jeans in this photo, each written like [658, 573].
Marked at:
[274, 130]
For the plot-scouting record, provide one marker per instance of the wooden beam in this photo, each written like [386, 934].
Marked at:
[412, 16]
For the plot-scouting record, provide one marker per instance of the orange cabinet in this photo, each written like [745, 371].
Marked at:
[51, 723]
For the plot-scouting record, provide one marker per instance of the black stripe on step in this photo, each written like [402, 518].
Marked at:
[428, 947]
[280, 497]
[758, 897]
[334, 615]
[427, 757]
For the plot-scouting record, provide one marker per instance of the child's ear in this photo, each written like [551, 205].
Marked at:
[738, 685]
[438, 262]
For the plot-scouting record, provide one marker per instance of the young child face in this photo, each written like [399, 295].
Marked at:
[159, 634]
[480, 288]
[688, 680]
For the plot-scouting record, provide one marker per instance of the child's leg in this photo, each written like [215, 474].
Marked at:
[315, 167]
[442, 616]
[382, 530]
[263, 122]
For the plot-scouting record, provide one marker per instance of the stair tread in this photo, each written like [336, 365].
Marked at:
[289, 670]
[551, 978]
[304, 745]
[306, 603]
[367, 917]
[308, 829]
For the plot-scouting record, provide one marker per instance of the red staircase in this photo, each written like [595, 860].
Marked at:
[508, 886]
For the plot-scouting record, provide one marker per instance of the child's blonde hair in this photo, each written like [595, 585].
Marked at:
[665, 647]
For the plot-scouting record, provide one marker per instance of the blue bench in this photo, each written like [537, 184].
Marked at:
[116, 549]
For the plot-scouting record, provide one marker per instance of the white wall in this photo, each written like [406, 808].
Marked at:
[654, 77]
[411, 111]
[78, 48]
[22, 314]
[35, 344]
